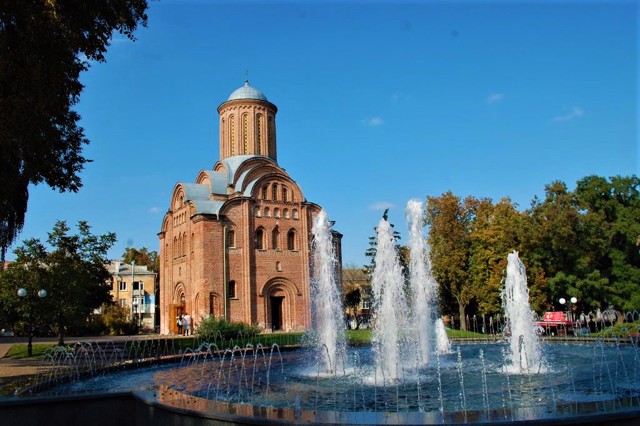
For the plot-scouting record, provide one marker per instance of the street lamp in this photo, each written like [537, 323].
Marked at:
[42, 293]
[572, 303]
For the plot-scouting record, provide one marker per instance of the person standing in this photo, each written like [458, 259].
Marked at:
[186, 323]
[179, 323]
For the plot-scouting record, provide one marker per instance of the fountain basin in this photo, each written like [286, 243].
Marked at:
[589, 382]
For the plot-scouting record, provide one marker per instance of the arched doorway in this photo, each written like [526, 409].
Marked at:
[280, 305]
[276, 301]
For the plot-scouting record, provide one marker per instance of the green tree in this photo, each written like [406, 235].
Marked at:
[493, 236]
[611, 211]
[142, 257]
[44, 46]
[450, 222]
[73, 273]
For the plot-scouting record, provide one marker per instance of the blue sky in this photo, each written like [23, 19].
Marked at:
[379, 103]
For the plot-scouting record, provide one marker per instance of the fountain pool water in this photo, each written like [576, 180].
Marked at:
[468, 384]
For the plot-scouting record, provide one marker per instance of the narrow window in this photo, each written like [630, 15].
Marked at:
[285, 213]
[267, 212]
[231, 239]
[291, 240]
[260, 123]
[284, 193]
[274, 192]
[279, 266]
[123, 286]
[264, 192]
[245, 134]
[212, 300]
[275, 235]
[295, 213]
[276, 212]
[259, 239]
[232, 135]
[231, 290]
[256, 211]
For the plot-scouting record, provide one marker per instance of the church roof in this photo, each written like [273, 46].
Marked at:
[247, 92]
[200, 193]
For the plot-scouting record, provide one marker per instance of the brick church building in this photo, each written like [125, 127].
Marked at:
[235, 243]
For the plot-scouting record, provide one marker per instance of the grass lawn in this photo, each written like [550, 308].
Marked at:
[19, 350]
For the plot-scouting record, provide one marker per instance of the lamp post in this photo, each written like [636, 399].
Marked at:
[22, 292]
[571, 308]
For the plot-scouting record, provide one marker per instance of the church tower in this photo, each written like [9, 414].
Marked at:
[236, 243]
[247, 124]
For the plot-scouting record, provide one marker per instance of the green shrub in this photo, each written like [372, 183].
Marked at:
[218, 329]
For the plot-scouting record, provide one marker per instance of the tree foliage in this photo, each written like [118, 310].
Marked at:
[44, 46]
[73, 273]
[142, 256]
[583, 243]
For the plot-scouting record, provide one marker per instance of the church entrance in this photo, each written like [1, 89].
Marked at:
[176, 312]
[276, 312]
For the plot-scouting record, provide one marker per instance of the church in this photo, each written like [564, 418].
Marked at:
[236, 243]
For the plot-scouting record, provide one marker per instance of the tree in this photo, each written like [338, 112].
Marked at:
[493, 236]
[44, 46]
[73, 273]
[142, 256]
[450, 220]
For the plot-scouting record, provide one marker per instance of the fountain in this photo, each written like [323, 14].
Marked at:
[524, 353]
[399, 379]
[327, 310]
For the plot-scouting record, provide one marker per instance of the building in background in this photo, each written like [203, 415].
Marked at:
[235, 244]
[134, 288]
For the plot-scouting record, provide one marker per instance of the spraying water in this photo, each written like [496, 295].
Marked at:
[390, 308]
[524, 354]
[423, 285]
[326, 298]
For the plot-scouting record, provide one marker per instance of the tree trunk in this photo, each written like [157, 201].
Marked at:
[463, 318]
[60, 334]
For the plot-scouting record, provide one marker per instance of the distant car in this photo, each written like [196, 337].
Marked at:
[7, 333]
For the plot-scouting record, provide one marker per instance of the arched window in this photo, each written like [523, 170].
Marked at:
[245, 134]
[267, 212]
[291, 240]
[174, 249]
[275, 236]
[231, 290]
[231, 238]
[179, 246]
[276, 212]
[295, 213]
[260, 239]
[191, 242]
[265, 189]
[285, 213]
[256, 211]
[232, 135]
[223, 129]
[184, 244]
[272, 135]
[259, 130]
[284, 193]
[279, 266]
[274, 192]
